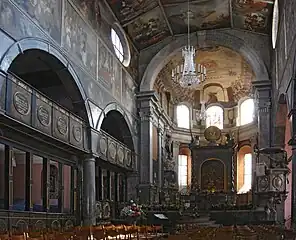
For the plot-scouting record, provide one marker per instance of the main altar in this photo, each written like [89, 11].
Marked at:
[213, 168]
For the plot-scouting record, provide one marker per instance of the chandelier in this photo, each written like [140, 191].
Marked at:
[186, 74]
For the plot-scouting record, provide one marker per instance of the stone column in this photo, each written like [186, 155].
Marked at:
[89, 191]
[146, 100]
[292, 143]
[176, 150]
[160, 132]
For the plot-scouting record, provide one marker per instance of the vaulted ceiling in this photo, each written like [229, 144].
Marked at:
[148, 22]
[228, 79]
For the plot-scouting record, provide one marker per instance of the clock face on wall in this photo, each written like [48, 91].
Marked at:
[275, 23]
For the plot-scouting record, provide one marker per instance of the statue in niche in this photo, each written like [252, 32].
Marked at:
[169, 147]
[229, 140]
[195, 141]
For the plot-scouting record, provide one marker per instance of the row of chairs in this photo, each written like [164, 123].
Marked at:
[257, 232]
[88, 233]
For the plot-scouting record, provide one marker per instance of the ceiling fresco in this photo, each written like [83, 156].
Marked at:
[162, 18]
[228, 78]
[251, 16]
[203, 15]
[149, 29]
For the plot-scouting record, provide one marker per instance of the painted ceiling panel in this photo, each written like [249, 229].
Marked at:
[252, 16]
[128, 10]
[203, 15]
[148, 29]
[150, 21]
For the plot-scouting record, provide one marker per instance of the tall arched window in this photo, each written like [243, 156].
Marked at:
[183, 116]
[244, 169]
[247, 108]
[182, 171]
[214, 117]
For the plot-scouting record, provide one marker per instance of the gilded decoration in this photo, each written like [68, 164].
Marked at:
[212, 176]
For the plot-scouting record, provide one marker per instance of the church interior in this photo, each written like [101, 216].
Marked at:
[147, 119]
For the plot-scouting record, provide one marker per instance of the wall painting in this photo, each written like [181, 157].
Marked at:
[105, 65]
[79, 39]
[47, 13]
[91, 11]
[15, 23]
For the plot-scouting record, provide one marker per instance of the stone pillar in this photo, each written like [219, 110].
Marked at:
[146, 102]
[292, 143]
[176, 150]
[89, 191]
[263, 94]
[160, 132]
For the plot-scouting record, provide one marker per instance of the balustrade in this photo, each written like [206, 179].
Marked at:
[28, 106]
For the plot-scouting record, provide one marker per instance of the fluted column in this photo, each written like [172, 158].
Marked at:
[89, 191]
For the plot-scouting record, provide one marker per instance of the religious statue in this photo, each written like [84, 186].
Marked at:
[169, 147]
[195, 141]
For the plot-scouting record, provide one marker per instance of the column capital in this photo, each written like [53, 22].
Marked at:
[89, 157]
[146, 114]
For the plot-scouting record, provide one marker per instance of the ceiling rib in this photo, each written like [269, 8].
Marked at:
[117, 20]
[165, 17]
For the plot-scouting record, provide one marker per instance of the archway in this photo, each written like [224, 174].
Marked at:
[210, 38]
[50, 76]
[116, 126]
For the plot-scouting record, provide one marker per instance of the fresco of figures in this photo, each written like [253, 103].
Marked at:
[91, 11]
[116, 80]
[127, 10]
[251, 15]
[15, 23]
[203, 15]
[128, 91]
[47, 13]
[79, 39]
[105, 65]
[148, 29]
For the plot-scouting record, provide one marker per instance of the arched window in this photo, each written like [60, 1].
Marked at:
[247, 108]
[183, 116]
[214, 117]
[244, 169]
[117, 45]
[182, 171]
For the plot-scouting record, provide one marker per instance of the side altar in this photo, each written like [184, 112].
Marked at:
[213, 168]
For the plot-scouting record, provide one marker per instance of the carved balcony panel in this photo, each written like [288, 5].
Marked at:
[115, 152]
[31, 108]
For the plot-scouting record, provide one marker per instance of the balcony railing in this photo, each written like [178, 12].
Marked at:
[115, 152]
[32, 108]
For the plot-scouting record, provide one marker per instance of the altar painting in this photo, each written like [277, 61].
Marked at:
[212, 176]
